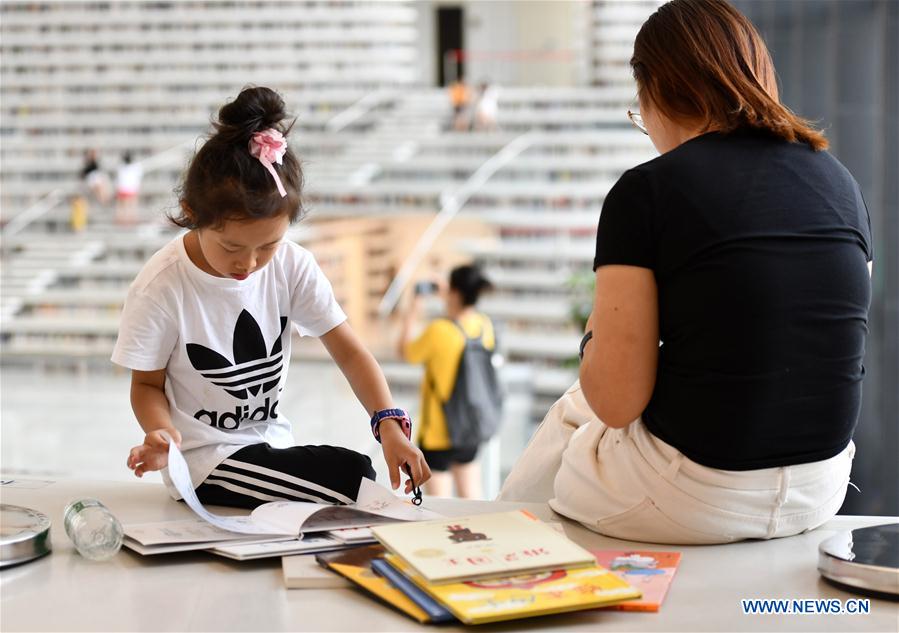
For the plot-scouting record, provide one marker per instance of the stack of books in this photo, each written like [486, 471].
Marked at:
[479, 569]
[280, 528]
[168, 537]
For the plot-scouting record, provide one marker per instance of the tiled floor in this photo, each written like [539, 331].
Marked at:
[61, 424]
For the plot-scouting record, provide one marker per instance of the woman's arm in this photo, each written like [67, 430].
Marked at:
[368, 383]
[409, 320]
[618, 371]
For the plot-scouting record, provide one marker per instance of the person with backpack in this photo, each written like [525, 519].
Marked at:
[460, 397]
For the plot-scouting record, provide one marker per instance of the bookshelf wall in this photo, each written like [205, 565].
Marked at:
[614, 25]
[147, 76]
[72, 79]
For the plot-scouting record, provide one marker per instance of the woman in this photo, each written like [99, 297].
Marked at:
[721, 371]
[439, 348]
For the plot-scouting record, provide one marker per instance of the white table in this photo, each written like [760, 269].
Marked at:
[202, 592]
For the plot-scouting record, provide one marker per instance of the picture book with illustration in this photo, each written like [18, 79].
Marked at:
[650, 572]
[481, 546]
[524, 595]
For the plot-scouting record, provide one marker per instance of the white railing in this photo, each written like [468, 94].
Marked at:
[452, 203]
[358, 109]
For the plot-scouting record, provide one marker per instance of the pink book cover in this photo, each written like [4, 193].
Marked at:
[650, 572]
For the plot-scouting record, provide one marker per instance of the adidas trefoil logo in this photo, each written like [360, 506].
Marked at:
[254, 367]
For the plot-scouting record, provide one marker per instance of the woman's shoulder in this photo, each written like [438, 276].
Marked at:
[475, 324]
[483, 318]
[443, 324]
[833, 171]
[444, 329]
[439, 335]
[713, 156]
[698, 148]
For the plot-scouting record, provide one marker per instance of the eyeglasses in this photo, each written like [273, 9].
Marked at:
[637, 119]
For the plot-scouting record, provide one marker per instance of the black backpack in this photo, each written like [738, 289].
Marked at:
[474, 408]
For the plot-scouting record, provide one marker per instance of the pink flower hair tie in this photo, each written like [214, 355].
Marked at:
[269, 147]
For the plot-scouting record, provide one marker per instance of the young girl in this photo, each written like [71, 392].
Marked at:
[205, 331]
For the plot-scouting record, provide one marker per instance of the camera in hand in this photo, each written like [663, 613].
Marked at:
[425, 288]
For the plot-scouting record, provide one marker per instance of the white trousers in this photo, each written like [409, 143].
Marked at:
[627, 483]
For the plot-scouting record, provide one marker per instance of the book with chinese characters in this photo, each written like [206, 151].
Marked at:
[650, 572]
[524, 595]
[481, 546]
[355, 565]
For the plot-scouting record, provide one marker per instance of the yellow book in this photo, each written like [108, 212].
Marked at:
[481, 546]
[355, 565]
[525, 596]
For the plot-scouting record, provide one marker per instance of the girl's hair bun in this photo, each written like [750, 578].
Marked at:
[255, 109]
[224, 181]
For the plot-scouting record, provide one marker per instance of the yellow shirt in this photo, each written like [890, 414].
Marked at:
[440, 348]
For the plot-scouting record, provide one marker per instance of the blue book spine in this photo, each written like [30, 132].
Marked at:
[436, 611]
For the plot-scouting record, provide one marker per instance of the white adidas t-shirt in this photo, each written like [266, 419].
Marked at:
[225, 346]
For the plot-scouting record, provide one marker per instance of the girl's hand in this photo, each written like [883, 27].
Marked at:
[153, 454]
[399, 451]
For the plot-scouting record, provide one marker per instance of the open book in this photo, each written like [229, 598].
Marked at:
[375, 505]
[168, 537]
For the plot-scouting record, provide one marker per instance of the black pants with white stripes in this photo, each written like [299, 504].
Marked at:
[258, 473]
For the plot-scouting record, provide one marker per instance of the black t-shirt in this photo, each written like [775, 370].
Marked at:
[759, 249]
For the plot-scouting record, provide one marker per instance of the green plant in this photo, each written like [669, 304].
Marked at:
[582, 285]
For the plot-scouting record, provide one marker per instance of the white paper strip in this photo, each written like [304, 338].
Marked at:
[180, 476]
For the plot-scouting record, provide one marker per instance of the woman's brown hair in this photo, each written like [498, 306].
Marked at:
[702, 60]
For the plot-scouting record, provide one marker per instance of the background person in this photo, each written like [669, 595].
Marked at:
[486, 108]
[95, 180]
[439, 348]
[127, 189]
[460, 96]
[744, 248]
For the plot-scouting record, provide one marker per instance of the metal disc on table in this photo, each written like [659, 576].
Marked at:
[866, 558]
[24, 535]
